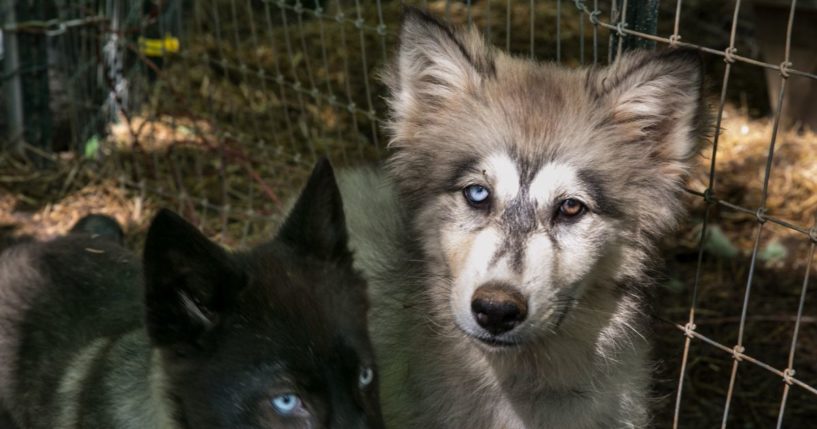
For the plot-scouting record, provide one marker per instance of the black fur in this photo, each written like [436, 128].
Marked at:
[104, 226]
[229, 331]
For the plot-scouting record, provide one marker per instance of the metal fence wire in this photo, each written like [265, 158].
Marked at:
[262, 88]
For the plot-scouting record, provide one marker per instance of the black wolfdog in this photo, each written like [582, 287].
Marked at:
[195, 338]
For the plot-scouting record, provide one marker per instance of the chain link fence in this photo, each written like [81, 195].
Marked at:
[218, 108]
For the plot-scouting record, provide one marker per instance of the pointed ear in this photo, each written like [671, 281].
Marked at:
[657, 99]
[189, 281]
[435, 62]
[316, 224]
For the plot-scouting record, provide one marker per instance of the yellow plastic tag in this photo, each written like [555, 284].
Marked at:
[158, 47]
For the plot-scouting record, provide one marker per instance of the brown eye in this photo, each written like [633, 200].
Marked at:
[571, 208]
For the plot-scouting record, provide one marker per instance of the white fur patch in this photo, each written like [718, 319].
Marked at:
[72, 382]
[502, 171]
[537, 277]
[144, 404]
[476, 270]
[552, 180]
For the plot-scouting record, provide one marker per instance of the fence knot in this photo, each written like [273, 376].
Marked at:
[340, 17]
[359, 23]
[784, 68]
[788, 373]
[351, 107]
[760, 214]
[620, 28]
[689, 329]
[737, 352]
[674, 39]
[709, 196]
[55, 29]
[579, 4]
[729, 54]
[812, 234]
[299, 8]
[594, 17]
[381, 29]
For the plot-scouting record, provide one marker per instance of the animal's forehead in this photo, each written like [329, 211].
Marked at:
[295, 294]
[510, 175]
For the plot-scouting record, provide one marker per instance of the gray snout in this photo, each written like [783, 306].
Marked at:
[498, 307]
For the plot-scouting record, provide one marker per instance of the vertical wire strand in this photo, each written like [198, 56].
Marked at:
[595, 22]
[508, 26]
[200, 12]
[676, 26]
[371, 114]
[243, 69]
[789, 371]
[330, 92]
[279, 75]
[790, 363]
[532, 28]
[350, 104]
[738, 349]
[382, 30]
[558, 31]
[313, 87]
[581, 34]
[222, 141]
[261, 74]
[260, 141]
[761, 221]
[622, 23]
[709, 193]
[297, 85]
[612, 37]
[488, 23]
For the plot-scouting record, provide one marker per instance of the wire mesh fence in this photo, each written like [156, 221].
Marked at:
[218, 108]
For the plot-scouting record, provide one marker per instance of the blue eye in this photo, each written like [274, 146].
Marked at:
[287, 404]
[476, 195]
[366, 377]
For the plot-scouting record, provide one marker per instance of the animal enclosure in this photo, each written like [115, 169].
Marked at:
[219, 108]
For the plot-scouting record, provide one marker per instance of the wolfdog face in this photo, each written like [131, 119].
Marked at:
[275, 337]
[533, 187]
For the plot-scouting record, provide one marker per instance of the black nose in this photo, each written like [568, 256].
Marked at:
[498, 308]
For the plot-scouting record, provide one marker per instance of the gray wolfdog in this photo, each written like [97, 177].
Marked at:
[507, 246]
[195, 337]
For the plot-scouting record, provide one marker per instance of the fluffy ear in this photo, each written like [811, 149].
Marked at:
[316, 224]
[656, 99]
[435, 62]
[189, 281]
